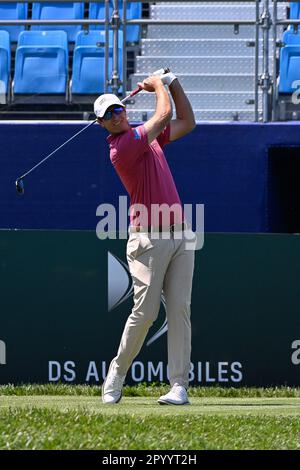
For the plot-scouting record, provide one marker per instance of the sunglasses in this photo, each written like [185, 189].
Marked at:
[108, 115]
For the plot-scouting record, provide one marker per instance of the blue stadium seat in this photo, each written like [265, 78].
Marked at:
[4, 65]
[134, 11]
[289, 62]
[56, 11]
[289, 37]
[294, 10]
[13, 11]
[89, 62]
[289, 68]
[41, 62]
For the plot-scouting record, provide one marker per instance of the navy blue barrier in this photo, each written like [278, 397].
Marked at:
[224, 166]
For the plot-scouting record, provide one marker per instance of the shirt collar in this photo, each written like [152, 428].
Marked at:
[112, 137]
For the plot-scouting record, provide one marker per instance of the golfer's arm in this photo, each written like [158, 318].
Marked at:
[185, 118]
[163, 113]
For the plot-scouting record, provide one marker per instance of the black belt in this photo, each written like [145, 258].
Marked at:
[172, 228]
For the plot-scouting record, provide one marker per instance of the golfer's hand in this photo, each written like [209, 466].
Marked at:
[166, 76]
[151, 83]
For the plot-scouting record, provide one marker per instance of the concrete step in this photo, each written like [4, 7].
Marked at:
[208, 82]
[196, 64]
[202, 100]
[208, 12]
[199, 32]
[200, 47]
[201, 115]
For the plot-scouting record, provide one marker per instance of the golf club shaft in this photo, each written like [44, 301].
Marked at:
[56, 150]
[134, 92]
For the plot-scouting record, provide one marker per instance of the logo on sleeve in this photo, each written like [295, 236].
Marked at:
[136, 134]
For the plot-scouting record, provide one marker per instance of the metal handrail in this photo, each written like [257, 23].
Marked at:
[265, 78]
[106, 45]
[256, 64]
[124, 58]
[50, 22]
[274, 29]
[129, 22]
[115, 27]
[287, 22]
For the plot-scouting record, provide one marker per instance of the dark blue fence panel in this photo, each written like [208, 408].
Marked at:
[224, 166]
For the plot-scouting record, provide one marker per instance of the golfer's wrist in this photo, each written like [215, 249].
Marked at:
[159, 85]
[168, 78]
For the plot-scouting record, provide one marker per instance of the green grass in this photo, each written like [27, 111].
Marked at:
[73, 417]
[145, 390]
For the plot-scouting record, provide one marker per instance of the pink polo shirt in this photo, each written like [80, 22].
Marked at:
[146, 175]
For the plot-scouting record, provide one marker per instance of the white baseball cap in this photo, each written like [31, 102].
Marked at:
[105, 101]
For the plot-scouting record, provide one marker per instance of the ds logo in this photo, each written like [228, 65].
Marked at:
[2, 353]
[296, 354]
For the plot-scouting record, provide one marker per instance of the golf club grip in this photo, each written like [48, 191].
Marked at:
[135, 91]
[139, 88]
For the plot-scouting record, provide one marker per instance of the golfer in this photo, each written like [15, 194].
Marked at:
[157, 254]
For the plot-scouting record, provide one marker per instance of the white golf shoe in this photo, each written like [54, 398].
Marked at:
[112, 387]
[176, 396]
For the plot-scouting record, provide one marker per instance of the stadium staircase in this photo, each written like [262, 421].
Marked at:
[215, 64]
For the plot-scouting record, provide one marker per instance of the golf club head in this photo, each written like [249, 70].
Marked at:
[20, 186]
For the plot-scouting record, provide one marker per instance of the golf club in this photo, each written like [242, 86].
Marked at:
[19, 181]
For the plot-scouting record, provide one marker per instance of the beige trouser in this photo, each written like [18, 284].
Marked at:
[159, 266]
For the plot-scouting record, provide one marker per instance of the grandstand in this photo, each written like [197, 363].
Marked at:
[57, 57]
